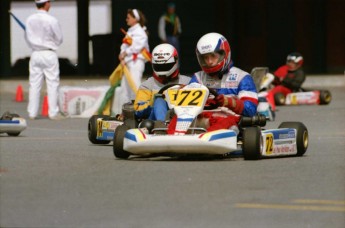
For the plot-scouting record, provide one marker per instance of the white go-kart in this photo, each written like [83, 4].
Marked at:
[12, 124]
[187, 102]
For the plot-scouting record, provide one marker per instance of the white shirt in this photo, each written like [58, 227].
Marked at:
[139, 41]
[43, 31]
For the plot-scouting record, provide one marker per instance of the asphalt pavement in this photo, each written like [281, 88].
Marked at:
[52, 176]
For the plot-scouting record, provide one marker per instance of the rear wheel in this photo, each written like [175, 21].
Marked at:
[119, 136]
[279, 99]
[325, 97]
[13, 133]
[302, 138]
[92, 129]
[252, 143]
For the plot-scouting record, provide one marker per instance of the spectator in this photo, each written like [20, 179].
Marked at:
[169, 27]
[165, 64]
[43, 35]
[133, 53]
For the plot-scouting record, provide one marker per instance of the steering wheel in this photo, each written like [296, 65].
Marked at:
[161, 91]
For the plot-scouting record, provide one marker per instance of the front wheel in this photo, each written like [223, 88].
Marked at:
[252, 143]
[325, 97]
[119, 136]
[302, 138]
[93, 128]
[13, 133]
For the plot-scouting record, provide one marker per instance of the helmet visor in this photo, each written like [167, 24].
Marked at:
[163, 67]
[212, 59]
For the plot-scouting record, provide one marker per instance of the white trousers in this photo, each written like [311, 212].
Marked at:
[136, 68]
[43, 65]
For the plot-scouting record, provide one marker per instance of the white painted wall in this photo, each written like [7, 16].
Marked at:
[66, 13]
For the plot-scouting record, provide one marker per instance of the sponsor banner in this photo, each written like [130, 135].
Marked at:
[81, 102]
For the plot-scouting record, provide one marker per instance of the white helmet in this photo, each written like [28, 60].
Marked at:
[296, 57]
[165, 63]
[214, 43]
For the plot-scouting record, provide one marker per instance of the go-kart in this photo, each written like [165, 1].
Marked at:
[302, 97]
[191, 138]
[12, 124]
[101, 127]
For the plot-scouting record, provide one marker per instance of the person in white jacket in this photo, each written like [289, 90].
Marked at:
[43, 35]
[133, 54]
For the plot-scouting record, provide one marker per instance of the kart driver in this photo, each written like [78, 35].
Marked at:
[235, 87]
[288, 78]
[165, 64]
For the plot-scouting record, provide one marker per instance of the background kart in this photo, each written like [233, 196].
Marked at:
[101, 127]
[12, 124]
[263, 79]
[304, 97]
[291, 138]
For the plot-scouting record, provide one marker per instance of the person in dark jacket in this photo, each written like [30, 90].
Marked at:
[169, 27]
[288, 78]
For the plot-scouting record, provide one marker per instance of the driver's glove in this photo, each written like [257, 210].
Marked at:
[232, 103]
[211, 103]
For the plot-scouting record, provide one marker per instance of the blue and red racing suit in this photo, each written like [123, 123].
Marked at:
[237, 84]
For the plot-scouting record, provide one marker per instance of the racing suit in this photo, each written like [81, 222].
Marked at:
[287, 82]
[237, 84]
[149, 106]
[43, 35]
[134, 59]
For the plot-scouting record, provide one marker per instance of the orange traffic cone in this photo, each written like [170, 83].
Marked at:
[19, 94]
[45, 106]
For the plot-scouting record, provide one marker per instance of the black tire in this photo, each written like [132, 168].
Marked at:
[252, 143]
[302, 138]
[279, 99]
[92, 129]
[119, 136]
[13, 133]
[325, 97]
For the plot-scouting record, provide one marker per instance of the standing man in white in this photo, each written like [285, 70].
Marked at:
[43, 35]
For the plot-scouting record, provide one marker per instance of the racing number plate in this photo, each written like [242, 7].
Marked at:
[99, 128]
[294, 99]
[190, 97]
[269, 144]
[172, 94]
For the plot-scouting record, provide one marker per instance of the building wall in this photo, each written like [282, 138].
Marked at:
[66, 13]
[260, 32]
